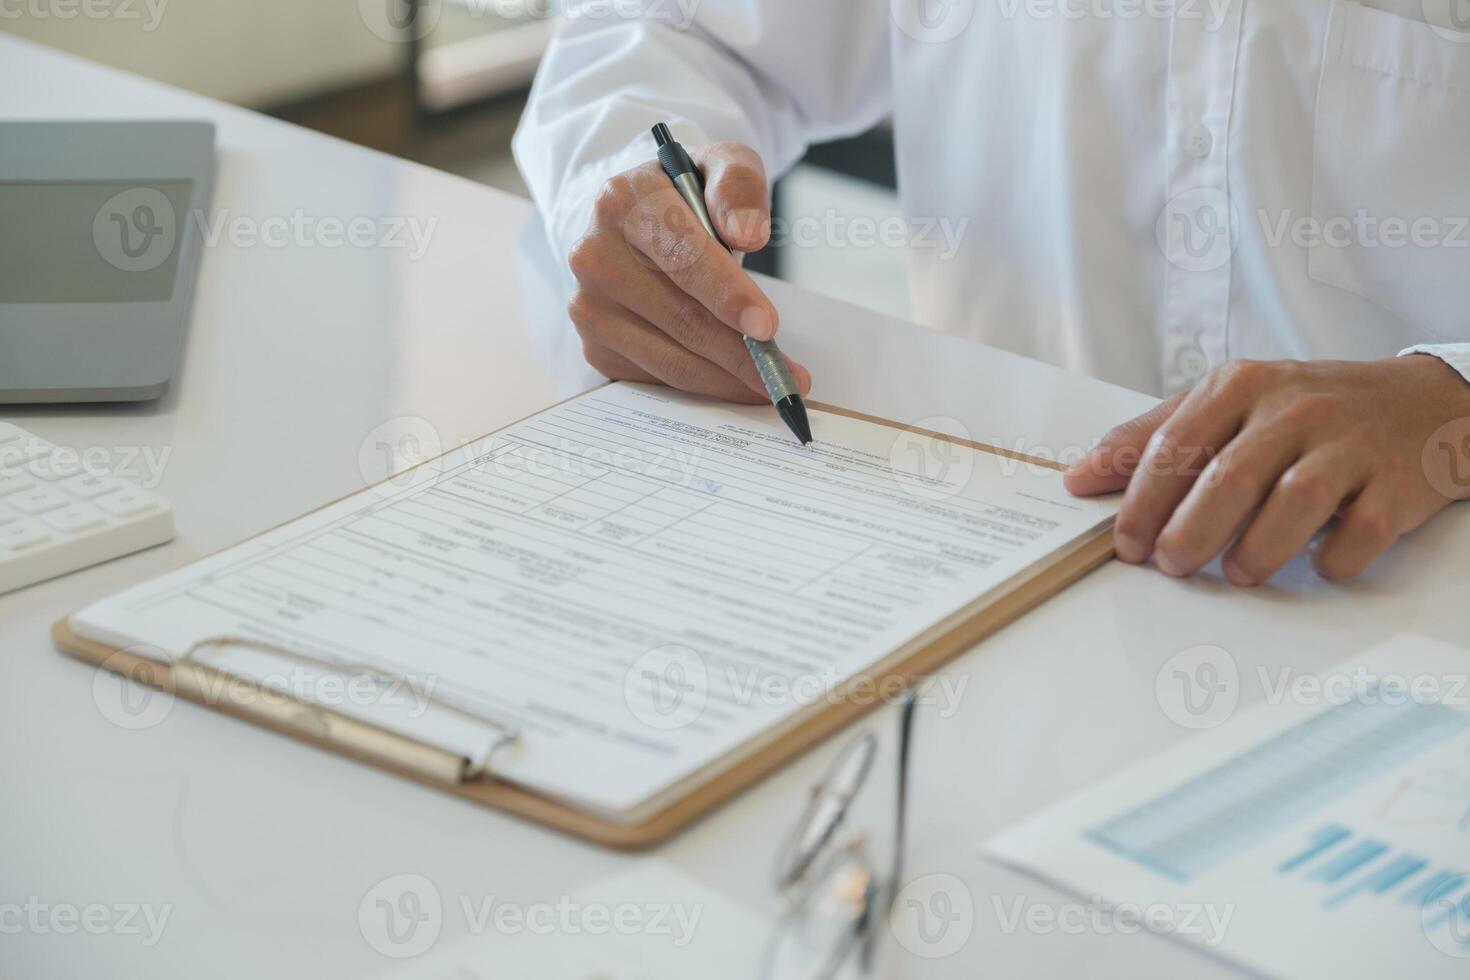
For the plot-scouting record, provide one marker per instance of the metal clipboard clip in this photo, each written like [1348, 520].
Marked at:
[199, 679]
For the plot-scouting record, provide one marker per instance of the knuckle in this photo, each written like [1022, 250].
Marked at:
[1240, 377]
[580, 310]
[685, 321]
[1309, 408]
[615, 198]
[1309, 489]
[585, 258]
[1374, 525]
[678, 372]
[744, 175]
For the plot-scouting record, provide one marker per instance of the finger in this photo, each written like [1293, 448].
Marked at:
[737, 195]
[1107, 468]
[1207, 419]
[1367, 529]
[612, 365]
[655, 298]
[1301, 503]
[1231, 488]
[663, 228]
[652, 351]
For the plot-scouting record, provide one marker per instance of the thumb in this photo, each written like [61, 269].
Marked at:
[1110, 466]
[737, 196]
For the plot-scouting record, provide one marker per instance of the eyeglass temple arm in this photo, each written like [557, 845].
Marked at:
[900, 823]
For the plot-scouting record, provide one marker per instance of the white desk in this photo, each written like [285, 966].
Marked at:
[264, 849]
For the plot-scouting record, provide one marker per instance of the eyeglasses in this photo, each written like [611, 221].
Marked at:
[834, 896]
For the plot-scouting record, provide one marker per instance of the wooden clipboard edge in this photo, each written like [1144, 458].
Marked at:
[967, 628]
[1020, 457]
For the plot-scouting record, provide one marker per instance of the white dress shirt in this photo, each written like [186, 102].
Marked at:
[1145, 188]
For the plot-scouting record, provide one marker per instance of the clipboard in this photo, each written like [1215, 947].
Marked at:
[473, 779]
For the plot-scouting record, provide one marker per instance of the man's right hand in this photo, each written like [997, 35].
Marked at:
[657, 299]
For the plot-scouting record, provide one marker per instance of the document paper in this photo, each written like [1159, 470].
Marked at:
[1324, 834]
[639, 580]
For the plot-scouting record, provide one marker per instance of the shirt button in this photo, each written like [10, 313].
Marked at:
[1198, 142]
[1192, 363]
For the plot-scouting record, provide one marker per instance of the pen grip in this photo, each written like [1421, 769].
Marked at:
[772, 367]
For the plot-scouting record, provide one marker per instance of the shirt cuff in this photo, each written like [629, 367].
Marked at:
[1456, 356]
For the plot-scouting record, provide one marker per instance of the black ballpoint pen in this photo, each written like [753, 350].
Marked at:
[775, 375]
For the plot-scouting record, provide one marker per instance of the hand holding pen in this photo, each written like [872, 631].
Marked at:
[659, 300]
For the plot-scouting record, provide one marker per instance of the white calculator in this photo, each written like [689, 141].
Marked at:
[59, 513]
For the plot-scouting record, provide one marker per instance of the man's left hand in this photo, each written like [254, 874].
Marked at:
[1266, 454]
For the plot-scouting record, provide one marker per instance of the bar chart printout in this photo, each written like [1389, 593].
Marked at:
[1335, 838]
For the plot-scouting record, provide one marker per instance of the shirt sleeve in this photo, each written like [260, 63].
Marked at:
[773, 74]
[1456, 356]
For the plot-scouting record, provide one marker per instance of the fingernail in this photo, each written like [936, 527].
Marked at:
[1236, 575]
[1168, 566]
[757, 324]
[747, 227]
[1128, 549]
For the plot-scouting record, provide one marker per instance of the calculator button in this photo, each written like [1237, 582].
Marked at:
[23, 537]
[16, 454]
[126, 503]
[75, 519]
[12, 482]
[57, 466]
[91, 485]
[38, 500]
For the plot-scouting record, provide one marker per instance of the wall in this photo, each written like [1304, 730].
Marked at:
[253, 52]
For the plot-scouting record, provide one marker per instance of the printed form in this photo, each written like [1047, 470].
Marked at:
[639, 580]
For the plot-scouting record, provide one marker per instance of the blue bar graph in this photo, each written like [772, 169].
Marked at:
[1395, 872]
[1277, 783]
[1324, 839]
[1345, 864]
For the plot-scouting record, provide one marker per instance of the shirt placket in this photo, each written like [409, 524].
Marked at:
[1198, 227]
